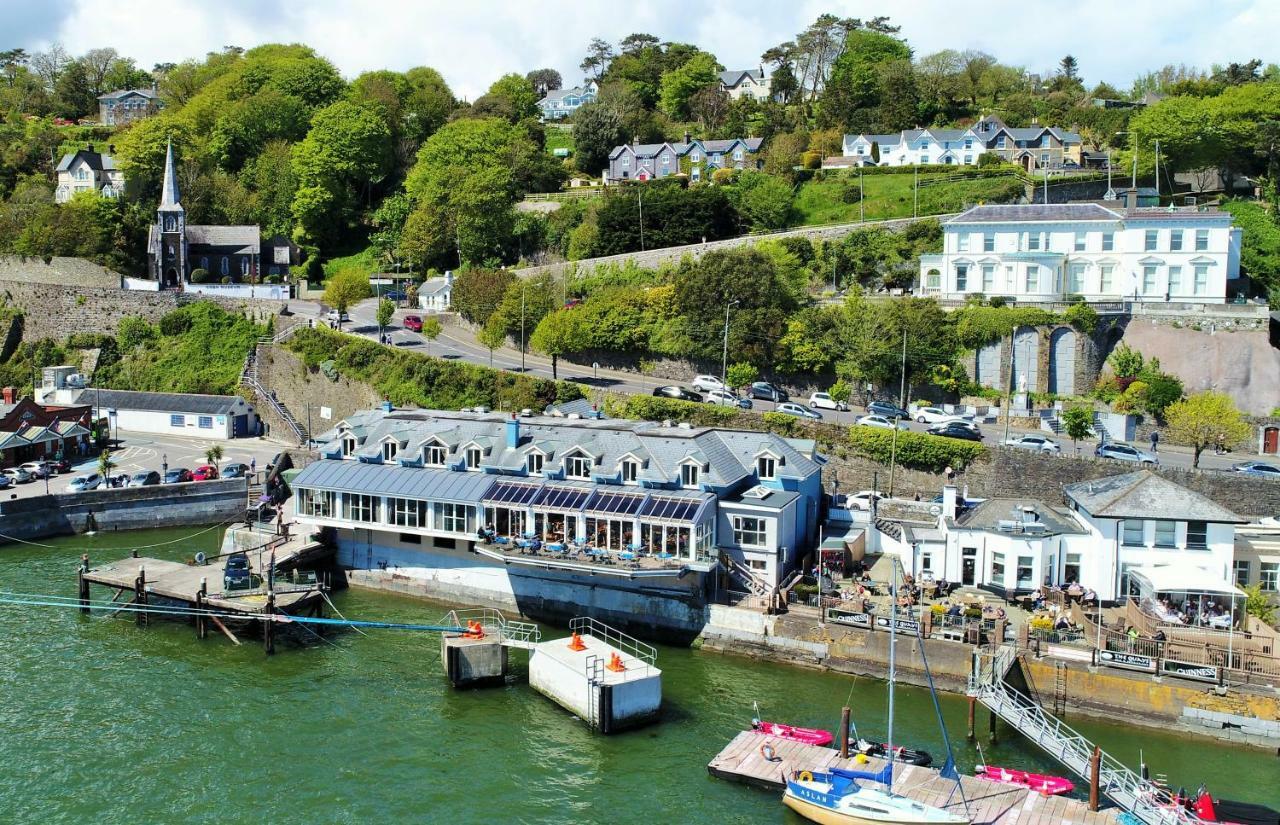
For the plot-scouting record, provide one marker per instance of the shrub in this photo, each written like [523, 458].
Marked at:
[722, 176]
[271, 279]
[655, 408]
[997, 301]
[1082, 316]
[787, 426]
[134, 331]
[226, 279]
[199, 276]
[989, 159]
[916, 451]
[811, 160]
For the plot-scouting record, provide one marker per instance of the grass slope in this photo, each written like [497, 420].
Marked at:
[891, 196]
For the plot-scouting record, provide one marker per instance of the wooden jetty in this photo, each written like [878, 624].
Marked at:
[990, 803]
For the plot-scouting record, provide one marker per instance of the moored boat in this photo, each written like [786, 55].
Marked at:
[810, 736]
[908, 756]
[836, 798]
[1042, 783]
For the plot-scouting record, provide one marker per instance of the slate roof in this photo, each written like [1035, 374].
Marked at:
[1037, 212]
[1181, 215]
[176, 402]
[1145, 495]
[94, 160]
[733, 77]
[649, 150]
[393, 480]
[555, 95]
[119, 93]
[246, 239]
[989, 514]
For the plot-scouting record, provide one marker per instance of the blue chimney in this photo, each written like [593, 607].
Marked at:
[386, 406]
[513, 432]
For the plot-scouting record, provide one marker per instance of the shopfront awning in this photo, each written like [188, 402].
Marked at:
[1175, 578]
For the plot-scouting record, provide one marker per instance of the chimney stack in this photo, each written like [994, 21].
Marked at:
[635, 141]
[513, 432]
[688, 137]
[8, 393]
[949, 501]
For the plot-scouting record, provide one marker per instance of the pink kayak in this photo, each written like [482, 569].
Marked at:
[1048, 785]
[810, 736]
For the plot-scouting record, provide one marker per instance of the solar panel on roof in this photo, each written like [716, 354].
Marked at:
[563, 498]
[622, 503]
[508, 493]
[671, 509]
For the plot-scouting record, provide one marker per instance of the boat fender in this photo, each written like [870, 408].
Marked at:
[861, 759]
[805, 776]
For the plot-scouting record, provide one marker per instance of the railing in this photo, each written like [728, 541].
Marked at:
[631, 646]
[511, 634]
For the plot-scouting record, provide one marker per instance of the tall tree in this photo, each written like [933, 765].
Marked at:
[1069, 68]
[511, 97]
[544, 80]
[637, 42]
[97, 64]
[597, 129]
[857, 83]
[74, 96]
[50, 64]
[599, 54]
[680, 85]
[347, 149]
[1204, 419]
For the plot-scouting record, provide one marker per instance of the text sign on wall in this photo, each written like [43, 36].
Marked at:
[1189, 670]
[1129, 661]
[900, 625]
[852, 619]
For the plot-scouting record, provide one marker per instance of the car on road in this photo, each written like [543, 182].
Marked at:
[956, 429]
[862, 500]
[88, 481]
[765, 391]
[1034, 442]
[235, 470]
[177, 475]
[394, 295]
[1257, 468]
[880, 421]
[205, 472]
[146, 478]
[413, 323]
[792, 408]
[18, 475]
[937, 415]
[888, 410]
[1124, 452]
[38, 469]
[5, 482]
[728, 399]
[824, 401]
[678, 393]
[706, 383]
[337, 317]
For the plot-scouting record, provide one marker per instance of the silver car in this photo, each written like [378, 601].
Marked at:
[1034, 442]
[1124, 452]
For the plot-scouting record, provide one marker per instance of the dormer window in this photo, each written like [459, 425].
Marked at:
[348, 445]
[689, 475]
[434, 454]
[389, 450]
[473, 457]
[533, 463]
[766, 468]
[577, 466]
[629, 470]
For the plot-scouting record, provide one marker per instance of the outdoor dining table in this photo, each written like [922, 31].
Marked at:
[556, 547]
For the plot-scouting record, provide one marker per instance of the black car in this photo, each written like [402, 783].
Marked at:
[888, 410]
[678, 393]
[177, 475]
[765, 391]
[144, 479]
[955, 430]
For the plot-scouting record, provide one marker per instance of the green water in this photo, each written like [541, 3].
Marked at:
[101, 721]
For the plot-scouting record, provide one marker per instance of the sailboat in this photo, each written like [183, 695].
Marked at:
[845, 797]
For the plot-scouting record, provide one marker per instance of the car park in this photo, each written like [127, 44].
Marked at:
[678, 393]
[1034, 442]
[146, 478]
[765, 391]
[1260, 469]
[205, 472]
[88, 481]
[706, 383]
[1124, 452]
[956, 429]
[413, 323]
[728, 399]
[881, 422]
[177, 475]
[791, 408]
[235, 470]
[887, 409]
[824, 401]
[937, 415]
[18, 475]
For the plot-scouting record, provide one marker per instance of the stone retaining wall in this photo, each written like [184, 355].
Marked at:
[299, 389]
[67, 272]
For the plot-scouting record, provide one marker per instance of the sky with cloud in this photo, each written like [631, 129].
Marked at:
[472, 43]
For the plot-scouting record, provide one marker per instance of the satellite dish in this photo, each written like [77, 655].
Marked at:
[200, 558]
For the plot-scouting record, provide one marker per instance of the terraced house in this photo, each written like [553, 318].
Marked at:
[1033, 147]
[692, 157]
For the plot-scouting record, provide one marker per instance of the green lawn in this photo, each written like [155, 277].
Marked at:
[559, 136]
[364, 260]
[891, 196]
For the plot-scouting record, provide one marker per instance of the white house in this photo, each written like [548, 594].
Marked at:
[753, 84]
[1102, 251]
[212, 417]
[1106, 529]
[1032, 147]
[560, 103]
[435, 294]
[87, 171]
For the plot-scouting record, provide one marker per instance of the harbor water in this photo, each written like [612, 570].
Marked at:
[102, 721]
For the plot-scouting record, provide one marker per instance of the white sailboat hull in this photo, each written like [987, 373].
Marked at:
[867, 806]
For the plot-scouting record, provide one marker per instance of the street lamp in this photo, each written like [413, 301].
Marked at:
[724, 364]
[640, 206]
[523, 283]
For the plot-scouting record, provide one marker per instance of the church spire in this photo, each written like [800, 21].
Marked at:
[169, 189]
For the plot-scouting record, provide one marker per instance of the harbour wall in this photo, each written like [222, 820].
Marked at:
[125, 508]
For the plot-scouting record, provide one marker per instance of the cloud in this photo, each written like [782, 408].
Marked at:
[472, 43]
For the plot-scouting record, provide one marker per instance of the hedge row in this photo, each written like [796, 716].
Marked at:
[656, 408]
[917, 451]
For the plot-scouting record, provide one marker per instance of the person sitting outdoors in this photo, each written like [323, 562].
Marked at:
[955, 610]
[1063, 623]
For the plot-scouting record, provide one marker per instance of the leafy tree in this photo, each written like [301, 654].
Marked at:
[213, 455]
[491, 336]
[857, 87]
[511, 97]
[762, 201]
[477, 293]
[558, 333]
[1126, 361]
[526, 302]
[680, 85]
[272, 184]
[873, 332]
[105, 464]
[840, 390]
[389, 219]
[251, 123]
[599, 54]
[1203, 419]
[1259, 604]
[346, 288]
[742, 374]
[386, 309]
[1077, 423]
[597, 129]
[133, 332]
[428, 104]
[1069, 68]
[544, 80]
[431, 329]
[673, 215]
[74, 94]
[347, 149]
[709, 106]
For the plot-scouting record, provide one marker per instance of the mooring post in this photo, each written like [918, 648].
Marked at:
[973, 714]
[269, 626]
[1095, 769]
[844, 732]
[133, 554]
[82, 584]
[140, 596]
[202, 624]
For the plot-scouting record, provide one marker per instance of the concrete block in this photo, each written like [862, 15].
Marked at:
[473, 662]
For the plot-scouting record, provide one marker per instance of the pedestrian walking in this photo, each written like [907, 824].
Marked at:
[253, 465]
[1155, 441]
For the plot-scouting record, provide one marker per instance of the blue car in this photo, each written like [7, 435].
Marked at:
[395, 295]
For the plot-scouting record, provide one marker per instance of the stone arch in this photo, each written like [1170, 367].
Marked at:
[1062, 361]
[1026, 359]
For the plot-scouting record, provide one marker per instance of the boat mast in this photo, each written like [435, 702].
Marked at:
[893, 639]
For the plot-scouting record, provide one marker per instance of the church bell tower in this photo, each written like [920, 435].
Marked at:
[171, 221]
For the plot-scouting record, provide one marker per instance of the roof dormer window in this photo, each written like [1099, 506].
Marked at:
[689, 474]
[472, 455]
[434, 454]
[533, 463]
[629, 470]
[348, 445]
[766, 468]
[389, 450]
[577, 465]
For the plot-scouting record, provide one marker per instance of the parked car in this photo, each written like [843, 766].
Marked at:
[937, 415]
[1124, 452]
[956, 429]
[706, 382]
[678, 393]
[337, 317]
[88, 481]
[1034, 442]
[413, 323]
[235, 573]
[880, 421]
[862, 500]
[824, 401]
[765, 391]
[146, 478]
[205, 472]
[18, 475]
[1257, 468]
[792, 408]
[5, 482]
[235, 470]
[394, 295]
[728, 399]
[38, 469]
[177, 475]
[59, 465]
[888, 410]
[121, 480]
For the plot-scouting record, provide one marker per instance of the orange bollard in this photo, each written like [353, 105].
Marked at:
[615, 664]
[475, 630]
[576, 643]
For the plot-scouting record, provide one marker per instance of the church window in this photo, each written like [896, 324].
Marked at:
[170, 223]
[226, 265]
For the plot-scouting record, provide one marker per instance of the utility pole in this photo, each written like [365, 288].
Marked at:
[522, 290]
[902, 388]
[1157, 173]
[915, 205]
[724, 362]
[640, 206]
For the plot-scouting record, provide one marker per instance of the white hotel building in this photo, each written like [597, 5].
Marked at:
[1101, 251]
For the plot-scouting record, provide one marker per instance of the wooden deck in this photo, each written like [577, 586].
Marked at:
[181, 582]
[989, 802]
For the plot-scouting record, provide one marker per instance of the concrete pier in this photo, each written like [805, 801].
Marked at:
[601, 675]
[473, 662]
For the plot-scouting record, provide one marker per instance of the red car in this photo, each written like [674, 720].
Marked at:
[413, 323]
[205, 472]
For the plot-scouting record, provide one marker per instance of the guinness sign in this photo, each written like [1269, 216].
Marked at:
[1187, 670]
[862, 620]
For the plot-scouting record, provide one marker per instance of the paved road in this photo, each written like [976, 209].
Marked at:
[456, 343]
